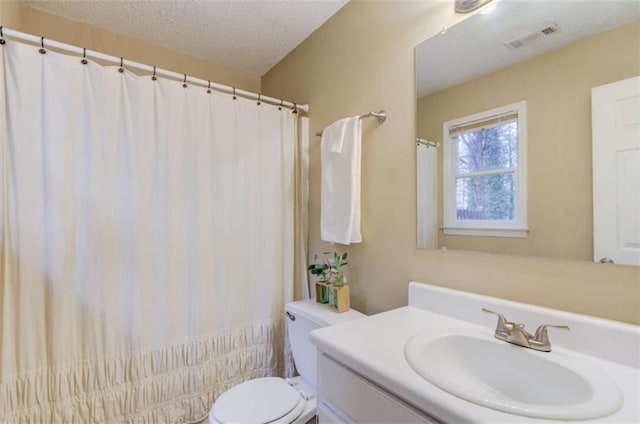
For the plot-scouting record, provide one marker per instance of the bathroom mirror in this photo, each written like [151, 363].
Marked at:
[506, 95]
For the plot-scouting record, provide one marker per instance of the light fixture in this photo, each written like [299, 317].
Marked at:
[466, 6]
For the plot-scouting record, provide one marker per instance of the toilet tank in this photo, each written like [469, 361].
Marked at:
[302, 318]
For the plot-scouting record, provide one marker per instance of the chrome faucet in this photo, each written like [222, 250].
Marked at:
[516, 334]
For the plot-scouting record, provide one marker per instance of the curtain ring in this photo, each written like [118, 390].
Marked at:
[1, 35]
[84, 56]
[121, 69]
[42, 50]
[295, 108]
[209, 87]
[234, 93]
[184, 82]
[281, 104]
[259, 103]
[153, 77]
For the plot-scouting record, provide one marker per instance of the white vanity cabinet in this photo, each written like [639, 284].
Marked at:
[347, 397]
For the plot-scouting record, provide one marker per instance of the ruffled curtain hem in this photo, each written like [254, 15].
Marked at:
[177, 383]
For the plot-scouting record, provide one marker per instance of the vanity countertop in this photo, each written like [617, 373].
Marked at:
[374, 348]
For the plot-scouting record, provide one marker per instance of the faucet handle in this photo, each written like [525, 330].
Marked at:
[541, 335]
[503, 324]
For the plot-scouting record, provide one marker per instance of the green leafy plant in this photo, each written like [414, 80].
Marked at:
[329, 270]
[319, 270]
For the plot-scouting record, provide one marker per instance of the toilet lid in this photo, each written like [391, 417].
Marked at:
[258, 401]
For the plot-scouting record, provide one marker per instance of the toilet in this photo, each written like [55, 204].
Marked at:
[273, 400]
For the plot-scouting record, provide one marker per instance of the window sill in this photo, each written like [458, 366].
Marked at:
[487, 232]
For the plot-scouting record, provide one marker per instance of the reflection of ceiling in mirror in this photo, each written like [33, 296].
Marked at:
[476, 46]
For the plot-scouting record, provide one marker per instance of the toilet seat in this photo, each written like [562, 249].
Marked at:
[268, 400]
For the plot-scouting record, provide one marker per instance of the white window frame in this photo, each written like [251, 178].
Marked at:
[491, 228]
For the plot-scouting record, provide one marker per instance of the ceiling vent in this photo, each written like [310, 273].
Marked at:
[531, 37]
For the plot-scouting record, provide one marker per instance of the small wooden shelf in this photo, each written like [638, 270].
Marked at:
[339, 302]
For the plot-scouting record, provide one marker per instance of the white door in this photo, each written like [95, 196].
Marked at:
[616, 171]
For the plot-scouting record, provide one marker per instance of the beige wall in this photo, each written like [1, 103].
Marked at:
[363, 60]
[15, 15]
[557, 88]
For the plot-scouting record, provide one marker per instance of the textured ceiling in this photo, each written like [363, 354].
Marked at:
[248, 35]
[475, 46]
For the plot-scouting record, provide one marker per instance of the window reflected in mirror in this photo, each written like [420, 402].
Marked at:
[484, 173]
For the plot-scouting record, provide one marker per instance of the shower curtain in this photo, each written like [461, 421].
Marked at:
[148, 240]
[427, 196]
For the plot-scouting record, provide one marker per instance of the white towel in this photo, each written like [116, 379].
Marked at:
[341, 157]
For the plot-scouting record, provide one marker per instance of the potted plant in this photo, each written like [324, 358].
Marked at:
[320, 270]
[335, 261]
[331, 285]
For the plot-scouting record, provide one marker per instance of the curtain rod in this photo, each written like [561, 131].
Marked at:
[426, 143]
[46, 43]
[381, 116]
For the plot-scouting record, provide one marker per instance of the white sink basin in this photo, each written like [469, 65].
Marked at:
[498, 375]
